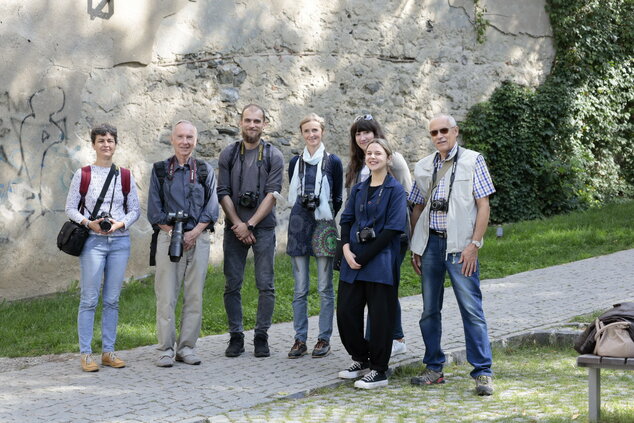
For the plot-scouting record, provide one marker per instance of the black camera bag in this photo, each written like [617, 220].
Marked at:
[73, 236]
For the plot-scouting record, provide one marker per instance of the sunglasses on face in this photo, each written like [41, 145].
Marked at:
[364, 117]
[443, 131]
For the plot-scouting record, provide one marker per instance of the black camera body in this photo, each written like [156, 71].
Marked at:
[310, 201]
[365, 235]
[105, 225]
[249, 199]
[441, 205]
[176, 242]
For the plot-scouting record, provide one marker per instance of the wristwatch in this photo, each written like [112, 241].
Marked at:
[87, 224]
[478, 244]
[250, 227]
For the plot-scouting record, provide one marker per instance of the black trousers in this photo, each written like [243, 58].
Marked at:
[381, 301]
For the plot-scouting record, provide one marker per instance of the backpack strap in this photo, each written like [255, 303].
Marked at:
[125, 187]
[83, 187]
[234, 155]
[161, 173]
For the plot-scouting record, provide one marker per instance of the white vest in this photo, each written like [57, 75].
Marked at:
[461, 216]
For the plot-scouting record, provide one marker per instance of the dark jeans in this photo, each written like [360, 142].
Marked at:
[235, 257]
[467, 291]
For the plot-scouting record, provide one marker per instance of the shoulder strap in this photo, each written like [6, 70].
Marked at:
[201, 170]
[267, 145]
[161, 174]
[83, 187]
[234, 154]
[125, 187]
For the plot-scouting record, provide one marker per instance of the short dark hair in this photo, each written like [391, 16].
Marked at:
[253, 106]
[103, 129]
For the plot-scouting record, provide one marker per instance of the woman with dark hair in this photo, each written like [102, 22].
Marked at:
[107, 210]
[316, 179]
[363, 130]
[371, 224]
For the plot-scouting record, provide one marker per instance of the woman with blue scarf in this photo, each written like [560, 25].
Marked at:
[316, 182]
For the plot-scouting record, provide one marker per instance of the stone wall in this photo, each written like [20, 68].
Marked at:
[141, 65]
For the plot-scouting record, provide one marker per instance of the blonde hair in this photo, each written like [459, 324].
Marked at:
[383, 143]
[313, 117]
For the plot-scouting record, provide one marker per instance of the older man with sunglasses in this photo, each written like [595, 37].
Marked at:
[451, 213]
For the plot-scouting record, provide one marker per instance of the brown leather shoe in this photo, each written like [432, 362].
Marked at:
[111, 359]
[88, 363]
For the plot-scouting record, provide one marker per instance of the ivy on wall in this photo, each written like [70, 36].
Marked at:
[569, 143]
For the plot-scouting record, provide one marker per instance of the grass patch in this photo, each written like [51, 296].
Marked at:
[49, 325]
[532, 384]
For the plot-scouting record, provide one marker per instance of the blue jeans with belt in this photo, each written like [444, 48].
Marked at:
[103, 258]
[469, 297]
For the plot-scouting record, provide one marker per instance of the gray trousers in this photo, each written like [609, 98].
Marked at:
[191, 271]
[235, 257]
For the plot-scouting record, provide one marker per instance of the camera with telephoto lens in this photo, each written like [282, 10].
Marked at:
[365, 235]
[176, 243]
[105, 224]
[441, 205]
[310, 201]
[249, 199]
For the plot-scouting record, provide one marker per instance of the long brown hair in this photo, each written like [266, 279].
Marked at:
[356, 153]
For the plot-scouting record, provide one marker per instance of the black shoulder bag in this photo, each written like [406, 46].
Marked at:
[72, 236]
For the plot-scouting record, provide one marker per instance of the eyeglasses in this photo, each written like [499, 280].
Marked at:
[364, 117]
[443, 131]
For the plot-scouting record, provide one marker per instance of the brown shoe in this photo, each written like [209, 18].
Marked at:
[111, 359]
[322, 348]
[88, 364]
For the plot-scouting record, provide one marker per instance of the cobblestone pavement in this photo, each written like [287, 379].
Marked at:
[58, 391]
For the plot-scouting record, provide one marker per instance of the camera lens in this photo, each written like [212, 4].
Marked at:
[105, 225]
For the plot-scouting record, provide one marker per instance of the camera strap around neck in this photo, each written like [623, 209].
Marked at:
[302, 173]
[102, 195]
[437, 176]
[259, 162]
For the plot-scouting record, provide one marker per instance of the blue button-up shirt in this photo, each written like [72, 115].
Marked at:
[182, 192]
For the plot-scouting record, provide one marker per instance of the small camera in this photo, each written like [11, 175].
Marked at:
[105, 224]
[310, 201]
[249, 199]
[441, 205]
[365, 235]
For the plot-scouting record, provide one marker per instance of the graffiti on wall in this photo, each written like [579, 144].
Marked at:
[34, 160]
[103, 9]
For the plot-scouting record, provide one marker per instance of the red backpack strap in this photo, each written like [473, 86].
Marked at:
[125, 186]
[83, 187]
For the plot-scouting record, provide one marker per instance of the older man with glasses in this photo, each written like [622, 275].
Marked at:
[451, 213]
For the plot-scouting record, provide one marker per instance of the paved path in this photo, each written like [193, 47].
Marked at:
[60, 392]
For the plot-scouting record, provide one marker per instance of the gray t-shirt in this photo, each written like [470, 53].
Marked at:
[232, 164]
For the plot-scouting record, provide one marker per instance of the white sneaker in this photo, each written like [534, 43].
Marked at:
[372, 380]
[398, 347]
[356, 369]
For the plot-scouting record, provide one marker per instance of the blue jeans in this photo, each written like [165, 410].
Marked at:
[469, 297]
[103, 257]
[301, 272]
[235, 253]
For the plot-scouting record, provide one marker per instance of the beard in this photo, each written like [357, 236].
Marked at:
[251, 139]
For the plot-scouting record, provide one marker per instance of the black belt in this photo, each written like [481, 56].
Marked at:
[441, 234]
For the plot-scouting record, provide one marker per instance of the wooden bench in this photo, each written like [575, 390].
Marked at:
[595, 363]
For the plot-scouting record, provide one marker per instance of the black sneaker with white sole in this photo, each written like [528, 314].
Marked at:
[356, 369]
[374, 379]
